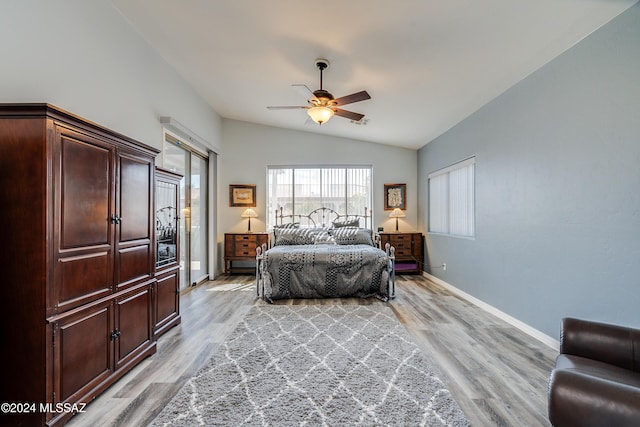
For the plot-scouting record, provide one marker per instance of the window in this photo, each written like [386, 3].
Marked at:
[452, 199]
[300, 190]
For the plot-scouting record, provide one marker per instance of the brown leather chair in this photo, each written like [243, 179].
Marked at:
[596, 380]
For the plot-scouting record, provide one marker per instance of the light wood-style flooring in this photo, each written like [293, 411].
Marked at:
[497, 374]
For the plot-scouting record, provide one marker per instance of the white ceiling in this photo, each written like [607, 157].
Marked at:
[427, 64]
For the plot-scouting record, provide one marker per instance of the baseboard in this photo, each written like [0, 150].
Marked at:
[534, 333]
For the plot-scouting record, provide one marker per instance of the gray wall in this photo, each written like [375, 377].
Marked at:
[557, 188]
[83, 56]
[249, 148]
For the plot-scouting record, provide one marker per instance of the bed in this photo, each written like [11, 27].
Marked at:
[324, 255]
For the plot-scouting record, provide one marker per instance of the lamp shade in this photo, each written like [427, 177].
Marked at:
[249, 213]
[320, 114]
[397, 213]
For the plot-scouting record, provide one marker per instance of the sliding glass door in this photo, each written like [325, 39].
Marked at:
[193, 166]
[198, 244]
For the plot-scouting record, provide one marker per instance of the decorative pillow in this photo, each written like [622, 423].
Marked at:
[338, 223]
[323, 237]
[278, 228]
[295, 236]
[352, 236]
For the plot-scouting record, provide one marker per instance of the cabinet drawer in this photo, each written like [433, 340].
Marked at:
[400, 239]
[245, 249]
[401, 245]
[403, 253]
[245, 238]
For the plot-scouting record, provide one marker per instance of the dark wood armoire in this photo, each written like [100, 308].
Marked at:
[77, 239]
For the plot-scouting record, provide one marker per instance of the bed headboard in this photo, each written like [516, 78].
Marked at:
[323, 217]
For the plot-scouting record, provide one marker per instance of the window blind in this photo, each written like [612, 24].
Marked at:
[452, 199]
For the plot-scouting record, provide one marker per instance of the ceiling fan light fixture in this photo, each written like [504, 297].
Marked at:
[321, 105]
[320, 114]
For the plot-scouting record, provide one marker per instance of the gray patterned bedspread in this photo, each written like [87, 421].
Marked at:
[325, 271]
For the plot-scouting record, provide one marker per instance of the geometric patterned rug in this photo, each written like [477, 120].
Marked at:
[312, 365]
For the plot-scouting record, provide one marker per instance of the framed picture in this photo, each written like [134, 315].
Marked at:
[242, 195]
[395, 196]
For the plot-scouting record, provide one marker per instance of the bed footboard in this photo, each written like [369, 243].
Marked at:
[391, 281]
[260, 250]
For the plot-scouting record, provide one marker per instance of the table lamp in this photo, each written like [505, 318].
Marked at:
[397, 213]
[249, 213]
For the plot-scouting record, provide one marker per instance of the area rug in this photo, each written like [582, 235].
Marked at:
[313, 365]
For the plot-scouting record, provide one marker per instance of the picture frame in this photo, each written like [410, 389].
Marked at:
[242, 195]
[395, 196]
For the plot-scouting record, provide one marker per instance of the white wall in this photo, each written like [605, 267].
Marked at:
[249, 148]
[84, 57]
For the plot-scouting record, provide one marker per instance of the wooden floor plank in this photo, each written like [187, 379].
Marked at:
[497, 373]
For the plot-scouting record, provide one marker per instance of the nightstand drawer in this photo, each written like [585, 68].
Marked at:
[403, 253]
[245, 248]
[400, 240]
[401, 245]
[240, 238]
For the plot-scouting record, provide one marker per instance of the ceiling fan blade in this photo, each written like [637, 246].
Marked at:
[304, 91]
[287, 107]
[354, 97]
[348, 114]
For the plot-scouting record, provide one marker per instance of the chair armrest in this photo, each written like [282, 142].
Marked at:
[578, 399]
[616, 345]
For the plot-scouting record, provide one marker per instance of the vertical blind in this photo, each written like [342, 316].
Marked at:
[452, 199]
[300, 190]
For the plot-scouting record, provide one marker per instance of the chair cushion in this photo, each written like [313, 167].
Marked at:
[598, 369]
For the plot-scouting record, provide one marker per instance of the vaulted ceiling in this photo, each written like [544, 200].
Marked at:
[427, 64]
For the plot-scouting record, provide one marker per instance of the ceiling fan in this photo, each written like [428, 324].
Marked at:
[322, 105]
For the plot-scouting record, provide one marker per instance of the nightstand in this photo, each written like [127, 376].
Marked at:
[409, 256]
[242, 247]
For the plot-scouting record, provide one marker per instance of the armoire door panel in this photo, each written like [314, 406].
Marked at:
[167, 297]
[133, 321]
[83, 187]
[166, 292]
[133, 264]
[83, 350]
[85, 193]
[83, 278]
[135, 198]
